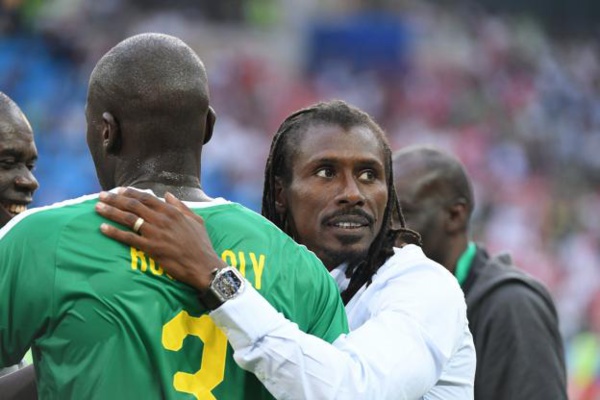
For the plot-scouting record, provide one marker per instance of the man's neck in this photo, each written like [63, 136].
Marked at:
[176, 173]
[183, 189]
[455, 252]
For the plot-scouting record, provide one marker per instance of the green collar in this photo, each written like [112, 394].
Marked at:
[463, 266]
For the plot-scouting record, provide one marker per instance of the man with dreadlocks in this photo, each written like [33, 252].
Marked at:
[329, 185]
[511, 315]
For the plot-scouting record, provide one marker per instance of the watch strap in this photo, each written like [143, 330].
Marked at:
[208, 299]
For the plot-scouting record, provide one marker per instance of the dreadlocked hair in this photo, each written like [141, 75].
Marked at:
[279, 166]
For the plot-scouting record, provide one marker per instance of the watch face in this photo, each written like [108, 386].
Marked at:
[227, 283]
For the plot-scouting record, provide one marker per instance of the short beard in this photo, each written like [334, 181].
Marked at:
[350, 258]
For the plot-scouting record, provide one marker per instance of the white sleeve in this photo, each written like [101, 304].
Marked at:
[390, 356]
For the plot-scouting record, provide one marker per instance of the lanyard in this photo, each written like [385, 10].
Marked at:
[463, 266]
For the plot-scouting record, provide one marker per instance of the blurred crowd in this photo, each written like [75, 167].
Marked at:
[521, 109]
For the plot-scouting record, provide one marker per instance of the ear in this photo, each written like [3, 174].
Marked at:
[111, 134]
[457, 216]
[280, 199]
[211, 118]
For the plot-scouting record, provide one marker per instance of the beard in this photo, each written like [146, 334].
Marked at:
[350, 257]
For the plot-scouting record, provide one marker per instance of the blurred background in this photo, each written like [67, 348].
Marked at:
[513, 89]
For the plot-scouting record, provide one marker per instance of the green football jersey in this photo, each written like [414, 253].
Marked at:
[105, 321]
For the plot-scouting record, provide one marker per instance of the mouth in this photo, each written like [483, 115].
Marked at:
[348, 225]
[351, 228]
[14, 208]
[350, 221]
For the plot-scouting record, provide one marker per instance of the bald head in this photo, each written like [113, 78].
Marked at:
[433, 165]
[12, 119]
[437, 199]
[148, 106]
[150, 79]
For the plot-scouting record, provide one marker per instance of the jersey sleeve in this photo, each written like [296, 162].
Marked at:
[519, 348]
[26, 284]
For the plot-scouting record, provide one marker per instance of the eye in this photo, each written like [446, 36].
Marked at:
[8, 163]
[368, 175]
[31, 166]
[325, 172]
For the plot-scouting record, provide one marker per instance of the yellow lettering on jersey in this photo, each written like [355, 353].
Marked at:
[154, 268]
[140, 261]
[242, 267]
[135, 255]
[258, 266]
[229, 257]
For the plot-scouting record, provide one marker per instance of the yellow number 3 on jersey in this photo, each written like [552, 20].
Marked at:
[212, 367]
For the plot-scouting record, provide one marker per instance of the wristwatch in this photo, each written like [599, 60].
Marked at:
[227, 283]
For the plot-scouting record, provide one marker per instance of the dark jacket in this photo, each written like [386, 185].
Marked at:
[515, 329]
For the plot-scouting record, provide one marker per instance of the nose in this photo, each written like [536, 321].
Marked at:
[350, 192]
[26, 181]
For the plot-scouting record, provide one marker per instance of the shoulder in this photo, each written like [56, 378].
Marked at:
[514, 319]
[421, 294]
[409, 277]
[519, 297]
[501, 283]
[35, 238]
[513, 302]
[234, 219]
[415, 272]
[41, 222]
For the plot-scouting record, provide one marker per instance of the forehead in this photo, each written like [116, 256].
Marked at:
[332, 142]
[14, 126]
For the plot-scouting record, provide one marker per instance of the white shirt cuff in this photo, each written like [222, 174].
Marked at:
[246, 318]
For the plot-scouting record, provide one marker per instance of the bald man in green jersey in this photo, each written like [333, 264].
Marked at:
[104, 320]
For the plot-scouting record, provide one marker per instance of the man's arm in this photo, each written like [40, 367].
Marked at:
[519, 348]
[393, 355]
